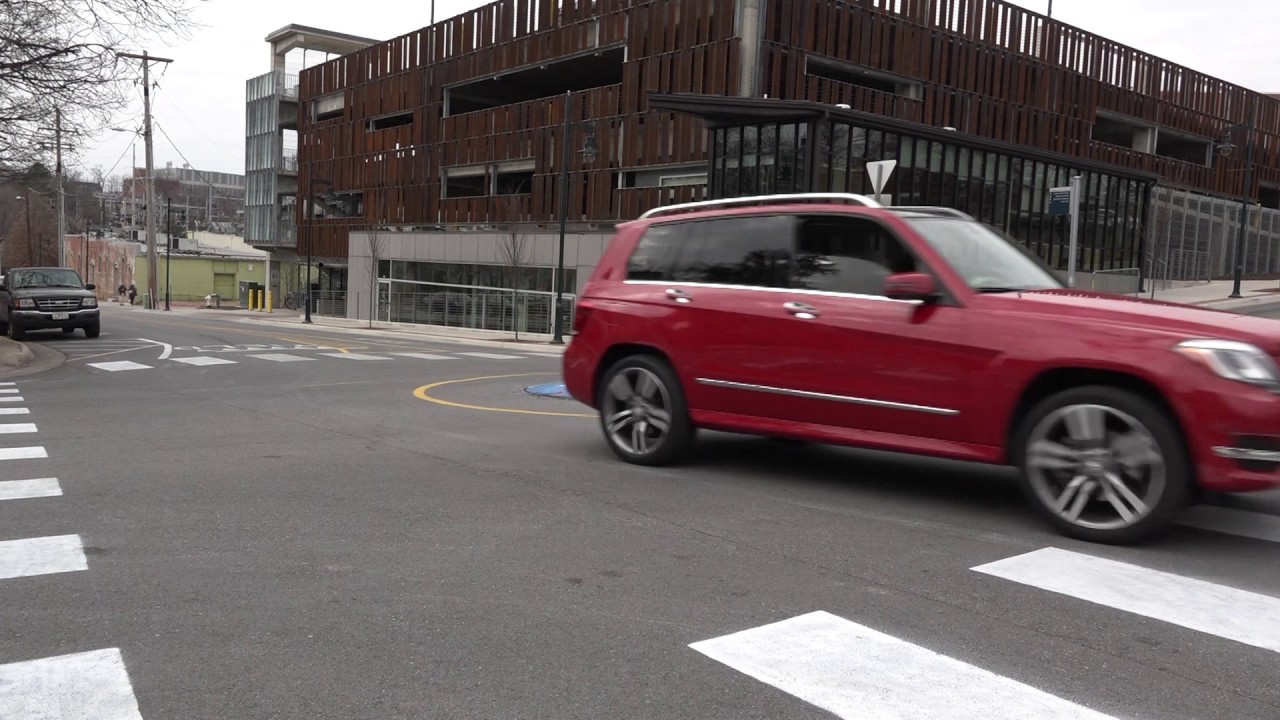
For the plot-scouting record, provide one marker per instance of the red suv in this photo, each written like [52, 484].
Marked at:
[832, 319]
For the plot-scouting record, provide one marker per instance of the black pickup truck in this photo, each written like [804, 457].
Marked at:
[47, 298]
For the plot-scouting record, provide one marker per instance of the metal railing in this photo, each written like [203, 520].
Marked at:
[329, 303]
[1117, 280]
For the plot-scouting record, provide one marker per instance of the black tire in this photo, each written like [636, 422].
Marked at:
[15, 331]
[1156, 433]
[675, 444]
[93, 331]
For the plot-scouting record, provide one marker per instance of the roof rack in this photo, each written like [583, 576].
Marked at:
[766, 199]
[932, 210]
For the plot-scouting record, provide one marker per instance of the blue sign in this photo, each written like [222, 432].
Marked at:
[1060, 201]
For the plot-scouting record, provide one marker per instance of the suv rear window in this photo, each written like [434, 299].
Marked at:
[655, 253]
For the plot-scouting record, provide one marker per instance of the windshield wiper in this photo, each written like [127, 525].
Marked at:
[998, 289]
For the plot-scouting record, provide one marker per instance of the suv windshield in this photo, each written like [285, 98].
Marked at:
[987, 260]
[56, 277]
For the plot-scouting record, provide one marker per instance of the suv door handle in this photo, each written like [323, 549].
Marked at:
[801, 310]
[678, 295]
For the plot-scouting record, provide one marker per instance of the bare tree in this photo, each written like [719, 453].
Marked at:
[514, 248]
[376, 250]
[65, 54]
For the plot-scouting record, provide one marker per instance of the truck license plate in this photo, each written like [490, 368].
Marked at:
[61, 316]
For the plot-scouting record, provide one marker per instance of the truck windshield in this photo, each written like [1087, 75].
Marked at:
[56, 277]
[986, 259]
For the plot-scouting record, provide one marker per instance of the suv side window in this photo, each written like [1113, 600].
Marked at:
[754, 251]
[848, 255]
[656, 252]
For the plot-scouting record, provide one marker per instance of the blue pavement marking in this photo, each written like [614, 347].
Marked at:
[555, 390]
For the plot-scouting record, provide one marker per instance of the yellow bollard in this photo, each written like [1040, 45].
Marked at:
[268, 301]
[253, 300]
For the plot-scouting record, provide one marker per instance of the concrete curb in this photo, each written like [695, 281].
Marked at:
[20, 359]
[15, 354]
[1245, 305]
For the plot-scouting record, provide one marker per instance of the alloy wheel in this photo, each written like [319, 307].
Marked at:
[1095, 466]
[637, 411]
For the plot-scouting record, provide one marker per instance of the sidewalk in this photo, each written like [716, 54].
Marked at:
[1258, 296]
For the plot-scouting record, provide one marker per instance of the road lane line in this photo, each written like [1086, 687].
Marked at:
[11, 399]
[424, 393]
[112, 352]
[856, 672]
[17, 428]
[41, 556]
[119, 365]
[282, 357]
[424, 356]
[14, 411]
[1239, 615]
[7, 384]
[34, 452]
[8, 391]
[1244, 523]
[23, 489]
[494, 356]
[202, 360]
[354, 356]
[168, 349]
[80, 685]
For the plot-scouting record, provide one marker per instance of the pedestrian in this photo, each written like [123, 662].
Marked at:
[133, 292]
[121, 292]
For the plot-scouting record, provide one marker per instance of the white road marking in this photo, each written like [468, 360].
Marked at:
[8, 391]
[204, 360]
[11, 399]
[282, 357]
[17, 428]
[14, 411]
[112, 352]
[78, 686]
[168, 349]
[1258, 526]
[494, 356]
[41, 556]
[7, 384]
[856, 672]
[355, 356]
[1226, 612]
[424, 356]
[23, 453]
[23, 489]
[118, 365]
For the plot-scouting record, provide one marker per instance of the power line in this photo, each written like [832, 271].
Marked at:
[184, 157]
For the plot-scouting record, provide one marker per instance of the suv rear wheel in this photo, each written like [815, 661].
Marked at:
[643, 413]
[1103, 464]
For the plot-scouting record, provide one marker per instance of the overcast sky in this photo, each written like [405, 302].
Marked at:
[200, 101]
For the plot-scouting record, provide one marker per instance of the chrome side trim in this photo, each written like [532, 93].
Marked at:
[758, 288]
[1272, 456]
[828, 396]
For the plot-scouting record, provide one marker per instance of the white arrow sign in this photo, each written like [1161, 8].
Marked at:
[880, 171]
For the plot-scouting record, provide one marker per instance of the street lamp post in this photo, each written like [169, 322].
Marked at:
[589, 153]
[310, 231]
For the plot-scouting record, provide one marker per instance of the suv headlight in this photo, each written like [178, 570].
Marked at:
[89, 302]
[1233, 360]
[26, 303]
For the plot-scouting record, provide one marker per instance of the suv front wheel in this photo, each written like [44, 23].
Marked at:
[643, 413]
[1103, 464]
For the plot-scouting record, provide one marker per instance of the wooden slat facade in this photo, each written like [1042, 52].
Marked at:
[983, 67]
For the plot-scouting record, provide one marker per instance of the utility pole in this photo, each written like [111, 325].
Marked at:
[152, 260]
[62, 195]
[1246, 200]
[168, 253]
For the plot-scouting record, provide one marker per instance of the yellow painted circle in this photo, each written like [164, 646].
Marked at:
[424, 393]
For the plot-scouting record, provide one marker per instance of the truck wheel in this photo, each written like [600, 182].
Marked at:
[92, 331]
[15, 331]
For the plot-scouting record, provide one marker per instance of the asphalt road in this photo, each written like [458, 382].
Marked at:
[404, 533]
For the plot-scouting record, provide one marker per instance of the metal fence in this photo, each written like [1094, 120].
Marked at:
[1192, 237]
[329, 303]
[1119, 280]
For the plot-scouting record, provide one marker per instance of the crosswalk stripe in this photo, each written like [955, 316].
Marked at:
[424, 356]
[1240, 615]
[118, 365]
[1258, 526]
[35, 488]
[7, 384]
[11, 399]
[281, 357]
[201, 360]
[355, 356]
[853, 671]
[34, 452]
[91, 684]
[493, 356]
[14, 411]
[17, 428]
[41, 556]
[8, 391]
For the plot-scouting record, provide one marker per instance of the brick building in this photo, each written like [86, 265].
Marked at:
[422, 158]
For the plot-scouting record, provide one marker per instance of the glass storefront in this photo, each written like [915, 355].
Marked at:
[1001, 188]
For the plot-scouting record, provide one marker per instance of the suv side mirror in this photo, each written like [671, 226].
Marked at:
[90, 286]
[910, 286]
